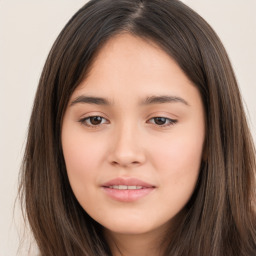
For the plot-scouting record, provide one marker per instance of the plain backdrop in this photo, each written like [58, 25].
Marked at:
[28, 29]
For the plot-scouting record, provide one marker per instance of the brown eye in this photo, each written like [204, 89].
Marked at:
[95, 120]
[162, 121]
[92, 121]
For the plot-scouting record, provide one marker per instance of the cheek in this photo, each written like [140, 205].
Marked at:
[178, 152]
[178, 162]
[82, 158]
[79, 157]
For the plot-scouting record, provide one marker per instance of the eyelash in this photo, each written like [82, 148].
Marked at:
[87, 121]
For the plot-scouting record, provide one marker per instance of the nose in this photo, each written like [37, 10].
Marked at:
[127, 148]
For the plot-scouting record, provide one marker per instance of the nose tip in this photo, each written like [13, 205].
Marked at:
[124, 155]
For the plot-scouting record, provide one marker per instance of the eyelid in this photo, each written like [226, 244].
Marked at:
[172, 119]
[91, 114]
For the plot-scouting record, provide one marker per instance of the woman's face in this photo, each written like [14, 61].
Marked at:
[133, 136]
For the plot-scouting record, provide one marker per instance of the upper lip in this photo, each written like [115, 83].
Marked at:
[127, 182]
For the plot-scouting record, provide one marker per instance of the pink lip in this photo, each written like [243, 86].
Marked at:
[127, 195]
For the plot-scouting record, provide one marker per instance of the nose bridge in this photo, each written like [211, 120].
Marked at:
[127, 148]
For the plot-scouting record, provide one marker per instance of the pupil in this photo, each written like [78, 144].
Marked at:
[160, 120]
[95, 120]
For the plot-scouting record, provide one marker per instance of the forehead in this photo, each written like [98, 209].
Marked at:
[126, 61]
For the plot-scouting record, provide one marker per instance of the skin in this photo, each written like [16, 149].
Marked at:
[129, 142]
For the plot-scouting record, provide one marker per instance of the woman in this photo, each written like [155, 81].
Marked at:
[138, 142]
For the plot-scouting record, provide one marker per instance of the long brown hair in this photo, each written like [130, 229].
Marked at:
[220, 216]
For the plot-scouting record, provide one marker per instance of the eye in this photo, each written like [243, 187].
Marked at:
[162, 121]
[93, 121]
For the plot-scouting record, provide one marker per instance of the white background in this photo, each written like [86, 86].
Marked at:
[28, 29]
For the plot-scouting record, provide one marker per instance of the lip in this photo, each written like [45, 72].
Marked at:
[127, 195]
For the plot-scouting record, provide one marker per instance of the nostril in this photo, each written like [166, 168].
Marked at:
[116, 163]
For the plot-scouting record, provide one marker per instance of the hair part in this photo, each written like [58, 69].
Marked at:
[220, 217]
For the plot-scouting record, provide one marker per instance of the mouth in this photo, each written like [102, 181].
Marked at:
[123, 187]
[127, 189]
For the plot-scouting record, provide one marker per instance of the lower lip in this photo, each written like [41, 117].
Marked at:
[127, 195]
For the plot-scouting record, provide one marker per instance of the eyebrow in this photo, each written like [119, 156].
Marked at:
[163, 99]
[90, 100]
[148, 101]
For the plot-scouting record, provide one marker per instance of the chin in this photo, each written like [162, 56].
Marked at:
[125, 230]
[131, 227]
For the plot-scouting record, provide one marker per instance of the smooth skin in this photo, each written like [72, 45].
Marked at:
[144, 119]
